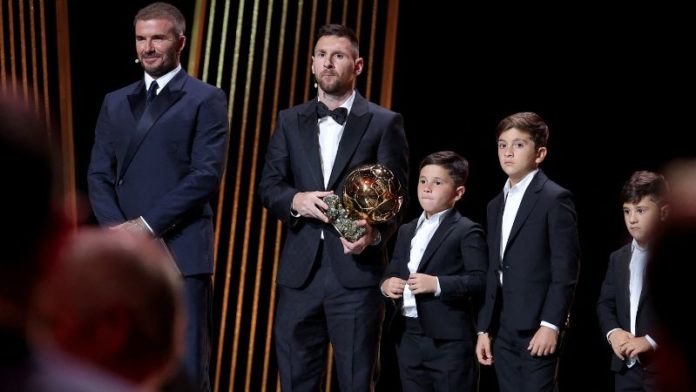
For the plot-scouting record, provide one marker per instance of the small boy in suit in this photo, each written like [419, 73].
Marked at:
[439, 263]
[625, 311]
[533, 251]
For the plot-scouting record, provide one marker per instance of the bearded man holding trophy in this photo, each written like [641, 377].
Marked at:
[328, 285]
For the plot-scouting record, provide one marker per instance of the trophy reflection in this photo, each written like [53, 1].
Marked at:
[372, 193]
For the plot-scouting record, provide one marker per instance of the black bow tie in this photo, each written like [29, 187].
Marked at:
[339, 114]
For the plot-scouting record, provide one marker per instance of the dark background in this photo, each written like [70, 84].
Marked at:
[613, 83]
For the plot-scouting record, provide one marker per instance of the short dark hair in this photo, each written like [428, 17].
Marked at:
[161, 10]
[340, 31]
[644, 183]
[456, 165]
[527, 122]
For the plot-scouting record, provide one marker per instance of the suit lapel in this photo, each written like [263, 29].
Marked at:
[497, 218]
[309, 133]
[357, 122]
[171, 93]
[623, 276]
[529, 200]
[443, 230]
[410, 231]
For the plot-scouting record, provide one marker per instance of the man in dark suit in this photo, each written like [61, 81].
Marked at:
[158, 156]
[328, 286]
[625, 307]
[533, 262]
[439, 266]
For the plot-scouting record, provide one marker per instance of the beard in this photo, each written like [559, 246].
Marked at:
[334, 86]
[165, 65]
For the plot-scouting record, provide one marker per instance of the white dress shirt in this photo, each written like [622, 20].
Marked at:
[330, 133]
[425, 229]
[513, 199]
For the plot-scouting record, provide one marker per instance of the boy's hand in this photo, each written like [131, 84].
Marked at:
[635, 345]
[543, 342]
[483, 350]
[617, 339]
[393, 287]
[422, 283]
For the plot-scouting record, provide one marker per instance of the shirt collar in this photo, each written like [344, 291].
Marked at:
[435, 218]
[636, 247]
[520, 186]
[162, 80]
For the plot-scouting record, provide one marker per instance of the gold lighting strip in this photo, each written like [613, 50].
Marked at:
[3, 73]
[264, 213]
[44, 63]
[310, 34]
[247, 222]
[371, 55]
[237, 183]
[65, 105]
[23, 50]
[34, 66]
[389, 54]
[209, 40]
[250, 201]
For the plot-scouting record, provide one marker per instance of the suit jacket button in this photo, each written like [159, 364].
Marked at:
[120, 182]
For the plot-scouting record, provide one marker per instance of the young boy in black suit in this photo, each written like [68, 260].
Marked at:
[625, 311]
[534, 258]
[439, 263]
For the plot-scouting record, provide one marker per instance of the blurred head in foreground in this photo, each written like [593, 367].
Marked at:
[114, 299]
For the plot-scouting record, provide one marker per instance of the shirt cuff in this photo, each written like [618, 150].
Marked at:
[651, 341]
[611, 332]
[146, 225]
[549, 325]
[438, 290]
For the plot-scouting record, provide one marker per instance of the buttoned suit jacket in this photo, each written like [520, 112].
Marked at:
[541, 260]
[457, 255]
[163, 163]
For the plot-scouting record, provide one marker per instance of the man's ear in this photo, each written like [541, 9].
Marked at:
[359, 64]
[181, 43]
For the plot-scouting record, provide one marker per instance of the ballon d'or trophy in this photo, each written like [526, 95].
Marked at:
[372, 193]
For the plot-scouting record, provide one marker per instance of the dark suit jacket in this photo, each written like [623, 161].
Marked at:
[456, 254]
[541, 260]
[372, 135]
[162, 163]
[614, 304]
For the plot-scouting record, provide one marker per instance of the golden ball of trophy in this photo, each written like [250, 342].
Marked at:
[370, 192]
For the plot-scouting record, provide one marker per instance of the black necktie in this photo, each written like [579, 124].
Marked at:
[151, 92]
[339, 114]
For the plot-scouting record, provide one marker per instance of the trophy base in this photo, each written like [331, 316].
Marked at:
[338, 216]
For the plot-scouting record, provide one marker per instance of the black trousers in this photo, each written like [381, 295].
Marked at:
[635, 379]
[516, 369]
[427, 364]
[321, 311]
